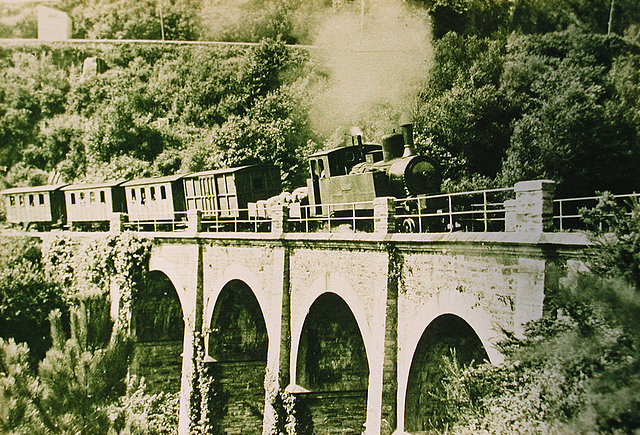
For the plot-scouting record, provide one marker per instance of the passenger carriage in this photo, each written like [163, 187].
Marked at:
[225, 193]
[159, 199]
[90, 205]
[42, 206]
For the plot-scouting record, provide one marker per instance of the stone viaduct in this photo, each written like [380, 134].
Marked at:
[348, 323]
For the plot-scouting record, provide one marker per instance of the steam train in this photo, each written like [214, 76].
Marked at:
[360, 172]
[342, 180]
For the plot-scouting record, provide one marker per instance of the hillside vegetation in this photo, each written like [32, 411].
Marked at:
[514, 90]
[501, 91]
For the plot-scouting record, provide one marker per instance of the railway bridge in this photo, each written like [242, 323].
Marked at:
[350, 324]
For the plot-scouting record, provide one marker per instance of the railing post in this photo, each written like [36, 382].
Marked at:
[532, 209]
[194, 221]
[384, 215]
[279, 218]
[116, 224]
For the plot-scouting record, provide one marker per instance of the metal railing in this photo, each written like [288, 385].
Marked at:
[351, 216]
[567, 212]
[478, 211]
[157, 222]
[474, 211]
[236, 220]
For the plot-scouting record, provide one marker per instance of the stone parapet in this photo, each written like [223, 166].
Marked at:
[116, 223]
[279, 218]
[384, 215]
[532, 209]
[194, 222]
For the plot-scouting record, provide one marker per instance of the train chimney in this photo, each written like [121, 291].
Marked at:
[356, 139]
[407, 135]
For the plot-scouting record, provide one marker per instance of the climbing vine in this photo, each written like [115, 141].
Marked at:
[92, 268]
[207, 401]
[289, 414]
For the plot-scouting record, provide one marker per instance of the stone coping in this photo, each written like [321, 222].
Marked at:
[575, 239]
[569, 239]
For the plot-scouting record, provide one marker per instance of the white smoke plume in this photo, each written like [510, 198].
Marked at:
[376, 53]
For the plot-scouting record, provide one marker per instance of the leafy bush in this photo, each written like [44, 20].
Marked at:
[140, 413]
[577, 369]
[26, 295]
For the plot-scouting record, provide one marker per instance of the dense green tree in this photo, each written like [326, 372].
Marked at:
[490, 17]
[26, 296]
[139, 19]
[464, 120]
[574, 125]
[74, 383]
[31, 89]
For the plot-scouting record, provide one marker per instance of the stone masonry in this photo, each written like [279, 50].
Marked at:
[395, 285]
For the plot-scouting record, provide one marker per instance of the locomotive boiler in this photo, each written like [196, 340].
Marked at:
[350, 177]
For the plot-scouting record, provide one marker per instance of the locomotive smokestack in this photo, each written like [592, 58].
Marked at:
[407, 135]
[356, 139]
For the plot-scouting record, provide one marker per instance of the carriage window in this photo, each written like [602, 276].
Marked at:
[133, 194]
[73, 198]
[12, 200]
[142, 195]
[21, 199]
[81, 197]
[103, 198]
[31, 202]
[41, 199]
[152, 193]
[163, 192]
[92, 197]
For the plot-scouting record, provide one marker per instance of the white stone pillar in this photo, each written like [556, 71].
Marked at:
[116, 224]
[532, 209]
[384, 215]
[194, 221]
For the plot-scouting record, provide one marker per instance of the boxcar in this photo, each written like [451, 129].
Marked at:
[40, 205]
[93, 203]
[224, 192]
[155, 199]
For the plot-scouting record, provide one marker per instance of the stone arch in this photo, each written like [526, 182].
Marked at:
[240, 273]
[422, 408]
[332, 365]
[244, 336]
[158, 326]
[158, 264]
[237, 346]
[329, 283]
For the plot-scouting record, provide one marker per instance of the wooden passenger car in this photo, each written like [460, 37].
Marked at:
[41, 205]
[223, 192]
[155, 199]
[93, 203]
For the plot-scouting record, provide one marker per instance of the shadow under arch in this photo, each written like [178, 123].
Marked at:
[158, 326]
[237, 353]
[446, 335]
[332, 366]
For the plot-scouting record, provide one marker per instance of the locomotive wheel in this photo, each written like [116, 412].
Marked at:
[409, 225]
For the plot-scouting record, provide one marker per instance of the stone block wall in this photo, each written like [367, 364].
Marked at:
[160, 363]
[394, 284]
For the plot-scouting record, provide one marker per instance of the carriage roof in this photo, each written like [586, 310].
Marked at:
[33, 189]
[88, 186]
[155, 180]
[229, 170]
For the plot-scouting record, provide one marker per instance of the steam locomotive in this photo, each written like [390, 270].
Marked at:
[342, 180]
[360, 172]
